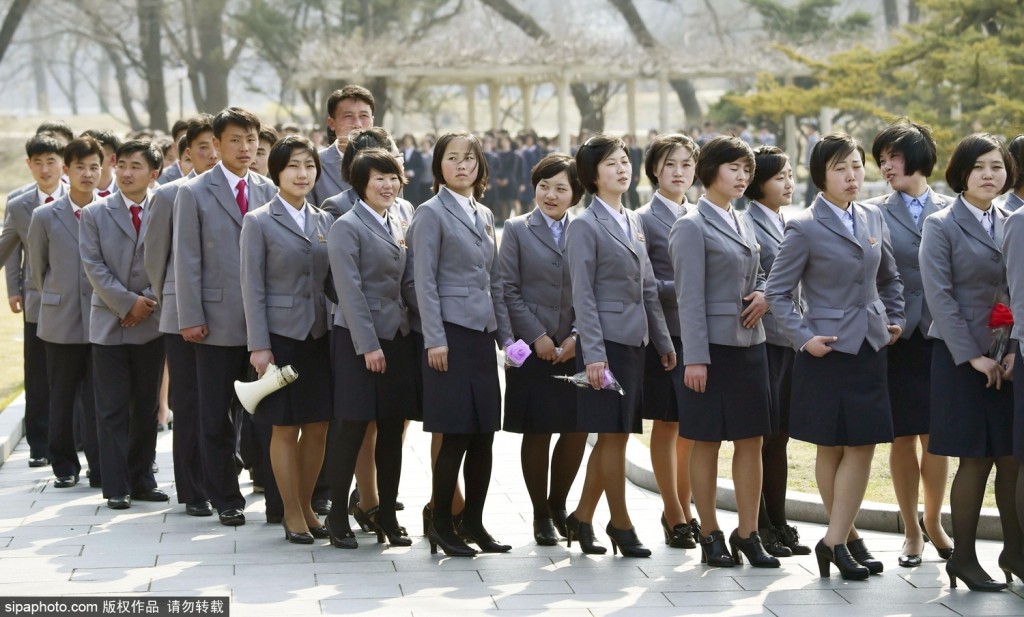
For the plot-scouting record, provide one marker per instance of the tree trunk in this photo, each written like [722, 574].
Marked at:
[892, 14]
[103, 84]
[11, 22]
[211, 68]
[121, 74]
[378, 86]
[591, 103]
[152, 59]
[913, 12]
[39, 77]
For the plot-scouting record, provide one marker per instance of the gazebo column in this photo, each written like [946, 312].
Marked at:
[471, 108]
[563, 114]
[494, 96]
[663, 101]
[631, 107]
[526, 91]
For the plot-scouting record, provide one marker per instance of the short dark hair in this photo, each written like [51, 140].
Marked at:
[768, 162]
[554, 164]
[719, 151]
[44, 143]
[967, 152]
[107, 139]
[476, 149]
[350, 91]
[661, 147]
[150, 152]
[235, 116]
[361, 139]
[282, 151]
[914, 141]
[179, 127]
[1016, 149]
[268, 134]
[591, 153]
[182, 146]
[368, 160]
[830, 148]
[81, 147]
[197, 125]
[56, 127]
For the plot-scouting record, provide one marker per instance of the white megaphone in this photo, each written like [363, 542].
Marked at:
[274, 378]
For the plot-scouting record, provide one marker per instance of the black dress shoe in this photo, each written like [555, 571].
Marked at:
[479, 536]
[626, 542]
[399, 506]
[301, 537]
[791, 538]
[39, 461]
[275, 519]
[199, 508]
[65, 481]
[232, 517]
[752, 548]
[320, 533]
[558, 517]
[584, 534]
[860, 553]
[844, 561]
[773, 544]
[544, 532]
[322, 506]
[944, 553]
[341, 538]
[119, 503]
[153, 494]
[909, 561]
[714, 552]
[449, 541]
[954, 573]
[95, 483]
[679, 536]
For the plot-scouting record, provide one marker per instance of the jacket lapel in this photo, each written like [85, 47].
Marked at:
[225, 194]
[539, 226]
[373, 224]
[705, 208]
[761, 220]
[897, 209]
[119, 212]
[663, 211]
[824, 214]
[282, 216]
[66, 215]
[457, 211]
[611, 225]
[966, 220]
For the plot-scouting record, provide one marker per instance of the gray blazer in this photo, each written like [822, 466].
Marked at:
[906, 247]
[341, 203]
[284, 273]
[657, 218]
[372, 278]
[456, 269]
[207, 270]
[112, 255]
[850, 284]
[535, 278]
[57, 271]
[770, 238]
[964, 275]
[158, 257]
[13, 240]
[715, 269]
[170, 173]
[614, 292]
[1012, 203]
[329, 183]
[1013, 253]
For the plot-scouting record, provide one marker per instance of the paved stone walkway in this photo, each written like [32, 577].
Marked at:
[67, 542]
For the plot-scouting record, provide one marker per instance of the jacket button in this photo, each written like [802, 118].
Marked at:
[481, 288]
[860, 306]
[478, 243]
[917, 293]
[917, 267]
[306, 251]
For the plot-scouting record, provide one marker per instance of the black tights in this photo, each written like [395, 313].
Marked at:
[965, 499]
[475, 448]
[775, 465]
[344, 451]
[565, 463]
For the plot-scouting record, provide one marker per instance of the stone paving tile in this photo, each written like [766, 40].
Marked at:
[677, 611]
[762, 598]
[436, 603]
[477, 590]
[287, 607]
[557, 612]
[50, 550]
[232, 558]
[894, 609]
[662, 585]
[456, 578]
[153, 573]
[580, 600]
[959, 600]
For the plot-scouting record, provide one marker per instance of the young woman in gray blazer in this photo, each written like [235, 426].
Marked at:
[839, 256]
[375, 361]
[964, 275]
[462, 313]
[1015, 198]
[615, 297]
[720, 290]
[770, 190]
[285, 274]
[669, 165]
[538, 295]
[905, 154]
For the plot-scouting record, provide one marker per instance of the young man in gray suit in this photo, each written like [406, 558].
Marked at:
[110, 143]
[189, 482]
[127, 350]
[348, 109]
[64, 312]
[45, 161]
[208, 213]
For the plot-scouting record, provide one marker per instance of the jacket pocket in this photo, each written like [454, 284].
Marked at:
[610, 306]
[212, 295]
[280, 300]
[722, 308]
[452, 290]
[50, 298]
[879, 307]
[820, 312]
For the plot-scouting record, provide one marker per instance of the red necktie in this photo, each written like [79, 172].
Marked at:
[136, 220]
[243, 203]
[103, 193]
[78, 214]
[48, 199]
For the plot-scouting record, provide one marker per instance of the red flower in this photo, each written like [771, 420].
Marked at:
[1001, 316]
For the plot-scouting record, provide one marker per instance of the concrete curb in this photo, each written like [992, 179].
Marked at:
[802, 506]
[12, 427]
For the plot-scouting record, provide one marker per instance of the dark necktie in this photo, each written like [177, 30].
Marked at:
[49, 198]
[240, 199]
[103, 193]
[136, 219]
[78, 214]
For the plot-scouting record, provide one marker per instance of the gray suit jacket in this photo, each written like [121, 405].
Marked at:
[372, 278]
[964, 275]
[284, 274]
[170, 173]
[1013, 253]
[850, 284]
[535, 277]
[57, 271]
[159, 254]
[207, 269]
[329, 183]
[769, 238]
[614, 292]
[341, 203]
[112, 255]
[1013, 203]
[657, 218]
[716, 269]
[456, 271]
[13, 240]
[906, 247]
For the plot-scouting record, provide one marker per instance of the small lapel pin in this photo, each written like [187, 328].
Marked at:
[320, 239]
[490, 230]
[401, 242]
[872, 241]
[404, 223]
[640, 237]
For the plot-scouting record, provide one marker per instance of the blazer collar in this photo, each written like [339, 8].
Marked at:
[663, 210]
[715, 220]
[453, 206]
[761, 220]
[824, 214]
[66, 215]
[119, 212]
[539, 226]
[374, 225]
[897, 209]
[282, 216]
[612, 226]
[225, 194]
[967, 221]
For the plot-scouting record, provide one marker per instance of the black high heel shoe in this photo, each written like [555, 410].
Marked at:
[751, 547]
[1009, 569]
[714, 552]
[428, 519]
[790, 537]
[479, 536]
[944, 553]
[679, 536]
[558, 518]
[773, 544]
[301, 537]
[362, 518]
[844, 561]
[863, 556]
[544, 531]
[345, 539]
[396, 536]
[584, 534]
[954, 573]
[320, 533]
[449, 543]
[626, 540]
